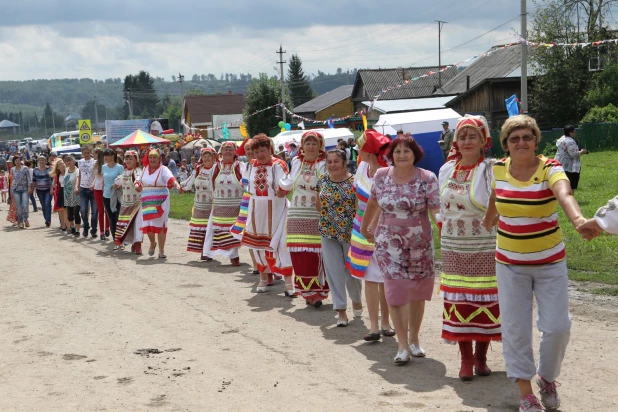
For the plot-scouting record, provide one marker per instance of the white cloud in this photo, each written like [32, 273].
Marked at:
[109, 46]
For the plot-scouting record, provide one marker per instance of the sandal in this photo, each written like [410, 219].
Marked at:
[261, 287]
[388, 332]
[162, 256]
[289, 293]
[151, 251]
[402, 357]
[372, 337]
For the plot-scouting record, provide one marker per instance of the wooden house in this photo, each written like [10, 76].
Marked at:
[199, 111]
[336, 103]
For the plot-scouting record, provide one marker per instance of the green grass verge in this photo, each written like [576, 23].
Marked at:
[605, 291]
[594, 261]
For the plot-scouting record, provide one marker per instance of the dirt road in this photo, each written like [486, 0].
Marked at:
[75, 316]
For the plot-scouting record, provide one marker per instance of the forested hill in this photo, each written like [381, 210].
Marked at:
[70, 95]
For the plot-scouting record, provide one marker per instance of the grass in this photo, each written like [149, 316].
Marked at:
[606, 291]
[596, 260]
[588, 261]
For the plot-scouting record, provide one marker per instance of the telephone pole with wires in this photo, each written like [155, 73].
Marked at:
[181, 79]
[440, 25]
[524, 59]
[281, 62]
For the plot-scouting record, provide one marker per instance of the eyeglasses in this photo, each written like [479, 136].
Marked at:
[525, 138]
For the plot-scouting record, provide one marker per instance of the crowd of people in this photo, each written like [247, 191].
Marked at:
[326, 231]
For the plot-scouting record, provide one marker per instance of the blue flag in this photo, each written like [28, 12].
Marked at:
[226, 132]
[330, 123]
[511, 105]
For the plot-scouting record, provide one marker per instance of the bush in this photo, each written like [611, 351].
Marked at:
[607, 114]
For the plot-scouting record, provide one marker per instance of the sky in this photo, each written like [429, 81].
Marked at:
[48, 39]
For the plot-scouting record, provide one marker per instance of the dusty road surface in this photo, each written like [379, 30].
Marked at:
[78, 322]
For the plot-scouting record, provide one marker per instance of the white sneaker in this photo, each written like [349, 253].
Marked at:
[549, 395]
[530, 403]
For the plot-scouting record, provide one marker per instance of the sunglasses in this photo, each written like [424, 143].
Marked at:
[525, 138]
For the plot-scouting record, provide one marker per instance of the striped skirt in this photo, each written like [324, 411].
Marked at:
[197, 229]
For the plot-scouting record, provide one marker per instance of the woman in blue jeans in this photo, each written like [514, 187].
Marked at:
[21, 191]
[42, 183]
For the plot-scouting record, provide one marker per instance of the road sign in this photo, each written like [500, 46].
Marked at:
[85, 131]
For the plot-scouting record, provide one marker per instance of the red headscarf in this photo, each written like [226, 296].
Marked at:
[228, 144]
[320, 139]
[478, 123]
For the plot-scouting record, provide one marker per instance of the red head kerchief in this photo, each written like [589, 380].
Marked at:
[320, 139]
[478, 123]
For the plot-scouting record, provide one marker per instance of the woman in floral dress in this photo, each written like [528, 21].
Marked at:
[303, 236]
[468, 281]
[130, 215]
[397, 216]
[71, 195]
[201, 180]
[336, 204]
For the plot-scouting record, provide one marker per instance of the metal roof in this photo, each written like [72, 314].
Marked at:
[370, 83]
[409, 105]
[325, 100]
[499, 64]
[8, 123]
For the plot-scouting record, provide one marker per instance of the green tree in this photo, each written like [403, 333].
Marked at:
[170, 108]
[298, 83]
[139, 91]
[604, 86]
[261, 93]
[606, 114]
[194, 92]
[558, 95]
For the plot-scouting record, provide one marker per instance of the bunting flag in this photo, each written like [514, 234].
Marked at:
[361, 113]
[364, 121]
[511, 105]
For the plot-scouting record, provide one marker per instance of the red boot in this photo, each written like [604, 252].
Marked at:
[480, 359]
[235, 261]
[467, 361]
[137, 248]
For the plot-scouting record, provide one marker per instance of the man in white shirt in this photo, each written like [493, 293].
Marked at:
[85, 180]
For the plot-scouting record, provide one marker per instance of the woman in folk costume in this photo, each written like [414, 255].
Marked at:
[246, 150]
[228, 190]
[130, 215]
[201, 180]
[468, 285]
[303, 236]
[361, 262]
[266, 215]
[154, 187]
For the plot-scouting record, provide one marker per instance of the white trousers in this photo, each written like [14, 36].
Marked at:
[517, 284]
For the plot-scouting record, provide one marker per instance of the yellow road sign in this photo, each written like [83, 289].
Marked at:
[85, 131]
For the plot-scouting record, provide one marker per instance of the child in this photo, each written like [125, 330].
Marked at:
[4, 185]
[183, 174]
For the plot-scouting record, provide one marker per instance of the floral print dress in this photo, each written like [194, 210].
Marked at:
[403, 239]
[338, 201]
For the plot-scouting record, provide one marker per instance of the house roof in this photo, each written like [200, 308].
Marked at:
[201, 108]
[374, 81]
[409, 105]
[501, 63]
[8, 123]
[325, 100]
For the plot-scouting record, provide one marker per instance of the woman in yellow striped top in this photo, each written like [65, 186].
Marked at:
[531, 259]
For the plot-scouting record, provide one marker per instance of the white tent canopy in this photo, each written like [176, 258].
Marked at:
[330, 136]
[425, 121]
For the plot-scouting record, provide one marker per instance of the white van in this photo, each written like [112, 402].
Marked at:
[65, 142]
[330, 137]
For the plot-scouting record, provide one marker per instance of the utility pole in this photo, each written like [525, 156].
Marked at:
[281, 62]
[96, 114]
[524, 59]
[53, 121]
[181, 79]
[440, 25]
[130, 103]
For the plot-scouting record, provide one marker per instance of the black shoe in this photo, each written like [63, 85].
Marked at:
[73, 231]
[48, 224]
[85, 233]
[107, 233]
[94, 235]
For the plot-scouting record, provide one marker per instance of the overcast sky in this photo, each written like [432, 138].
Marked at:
[77, 38]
